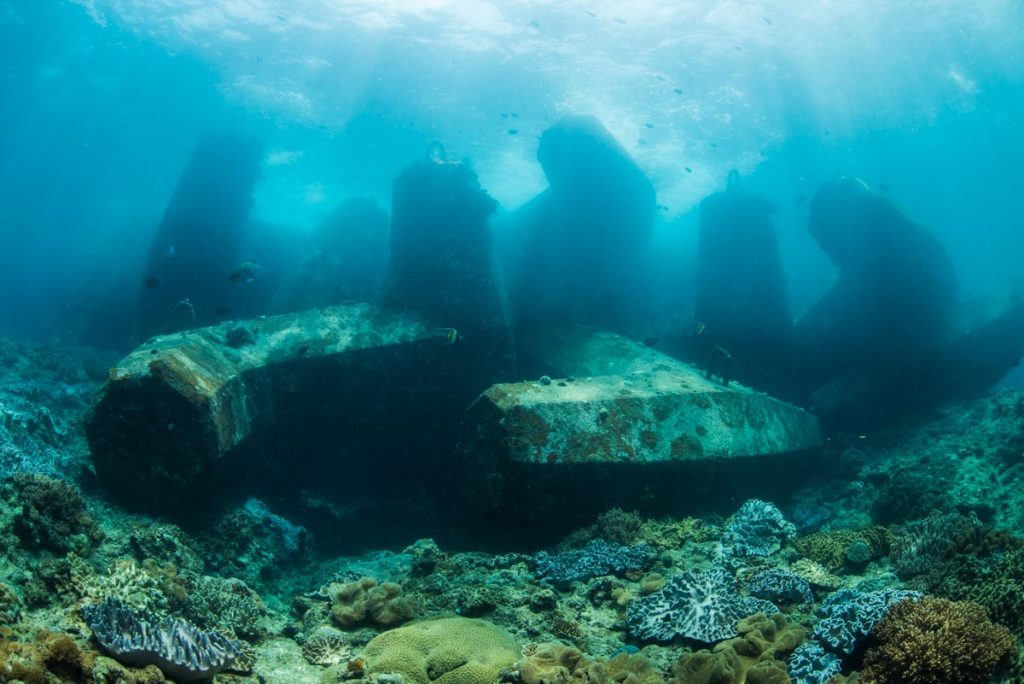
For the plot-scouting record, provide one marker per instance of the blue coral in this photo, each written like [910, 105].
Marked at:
[593, 560]
[779, 585]
[293, 537]
[179, 648]
[849, 615]
[700, 604]
[846, 618]
[758, 528]
[810, 663]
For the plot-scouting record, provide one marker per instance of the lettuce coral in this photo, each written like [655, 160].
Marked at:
[700, 604]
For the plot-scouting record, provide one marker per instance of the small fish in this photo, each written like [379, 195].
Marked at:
[513, 131]
[662, 207]
[504, 115]
[648, 124]
[713, 145]
[687, 169]
[513, 115]
[590, 13]
[698, 328]
[535, 24]
[883, 188]
[222, 310]
[767, 21]
[152, 281]
[650, 341]
[677, 91]
[246, 272]
[170, 252]
[450, 335]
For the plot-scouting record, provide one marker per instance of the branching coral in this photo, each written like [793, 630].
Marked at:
[923, 544]
[51, 514]
[936, 641]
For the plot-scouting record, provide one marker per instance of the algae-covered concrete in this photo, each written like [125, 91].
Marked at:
[669, 414]
[614, 411]
[177, 404]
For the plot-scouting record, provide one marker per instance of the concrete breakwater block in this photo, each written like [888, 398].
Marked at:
[174, 407]
[646, 409]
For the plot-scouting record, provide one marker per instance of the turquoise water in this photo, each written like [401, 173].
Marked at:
[484, 342]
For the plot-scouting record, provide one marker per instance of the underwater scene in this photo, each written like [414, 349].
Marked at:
[511, 341]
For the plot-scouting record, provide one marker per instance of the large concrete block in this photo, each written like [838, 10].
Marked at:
[175, 406]
[622, 407]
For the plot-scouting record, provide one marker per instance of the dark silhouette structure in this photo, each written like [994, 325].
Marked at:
[442, 261]
[886, 320]
[585, 239]
[347, 260]
[741, 301]
[201, 236]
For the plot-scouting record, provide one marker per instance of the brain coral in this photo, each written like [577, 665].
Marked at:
[936, 641]
[446, 651]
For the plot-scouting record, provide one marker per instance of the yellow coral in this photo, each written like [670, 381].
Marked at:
[829, 548]
[754, 657]
[815, 574]
[445, 651]
[935, 641]
[560, 664]
[365, 601]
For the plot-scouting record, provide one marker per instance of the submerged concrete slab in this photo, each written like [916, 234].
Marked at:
[639, 411]
[672, 413]
[176, 405]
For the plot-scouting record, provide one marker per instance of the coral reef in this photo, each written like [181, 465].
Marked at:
[936, 641]
[756, 656]
[703, 605]
[125, 581]
[846, 618]
[365, 602]
[595, 559]
[993, 583]
[756, 529]
[51, 514]
[779, 585]
[443, 651]
[815, 574]
[923, 544]
[180, 649]
[225, 605]
[849, 615]
[327, 649]
[833, 548]
[293, 537]
[560, 664]
[812, 663]
[907, 494]
[49, 659]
